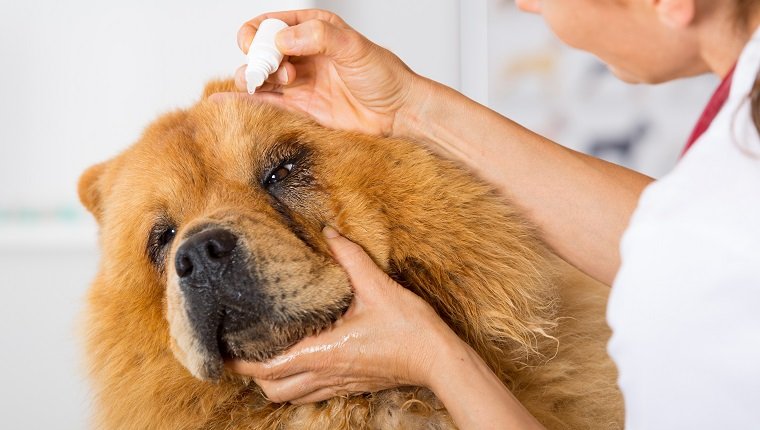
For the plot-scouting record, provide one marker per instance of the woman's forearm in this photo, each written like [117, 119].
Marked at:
[473, 395]
[581, 204]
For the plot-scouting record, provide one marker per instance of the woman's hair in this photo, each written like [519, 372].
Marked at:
[745, 9]
[754, 100]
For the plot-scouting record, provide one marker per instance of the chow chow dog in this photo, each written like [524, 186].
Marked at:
[210, 230]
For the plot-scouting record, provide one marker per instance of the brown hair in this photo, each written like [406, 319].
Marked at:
[754, 100]
[744, 9]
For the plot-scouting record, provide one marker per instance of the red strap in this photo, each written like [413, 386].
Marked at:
[716, 102]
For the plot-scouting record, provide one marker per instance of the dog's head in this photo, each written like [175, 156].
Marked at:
[218, 212]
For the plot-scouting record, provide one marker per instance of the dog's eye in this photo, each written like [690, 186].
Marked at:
[278, 174]
[161, 235]
[166, 236]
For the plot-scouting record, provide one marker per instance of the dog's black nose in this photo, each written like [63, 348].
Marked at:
[206, 251]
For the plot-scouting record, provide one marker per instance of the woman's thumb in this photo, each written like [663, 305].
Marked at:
[316, 37]
[362, 270]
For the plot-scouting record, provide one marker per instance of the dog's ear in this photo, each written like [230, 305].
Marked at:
[90, 189]
[219, 86]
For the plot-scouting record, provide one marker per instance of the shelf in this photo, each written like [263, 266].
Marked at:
[41, 235]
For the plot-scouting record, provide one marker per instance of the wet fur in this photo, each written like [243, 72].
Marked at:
[432, 226]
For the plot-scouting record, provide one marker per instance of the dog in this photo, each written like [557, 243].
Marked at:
[210, 231]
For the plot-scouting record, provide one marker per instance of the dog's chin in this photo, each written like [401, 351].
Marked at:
[246, 346]
[266, 339]
[263, 339]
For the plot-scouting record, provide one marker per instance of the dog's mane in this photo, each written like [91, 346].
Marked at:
[476, 261]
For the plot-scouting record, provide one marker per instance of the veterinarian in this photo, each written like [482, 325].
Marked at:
[682, 254]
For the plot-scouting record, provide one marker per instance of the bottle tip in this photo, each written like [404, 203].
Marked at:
[254, 78]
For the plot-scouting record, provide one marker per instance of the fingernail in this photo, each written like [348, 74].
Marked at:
[245, 37]
[330, 232]
[283, 76]
[241, 43]
[285, 39]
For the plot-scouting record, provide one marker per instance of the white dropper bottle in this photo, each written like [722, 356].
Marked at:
[263, 56]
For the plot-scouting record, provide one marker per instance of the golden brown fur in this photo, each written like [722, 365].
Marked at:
[441, 233]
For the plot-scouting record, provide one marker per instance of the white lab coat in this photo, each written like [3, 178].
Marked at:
[685, 305]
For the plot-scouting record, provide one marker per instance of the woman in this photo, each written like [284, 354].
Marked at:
[686, 334]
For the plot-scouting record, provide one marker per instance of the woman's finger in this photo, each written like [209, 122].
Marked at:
[282, 366]
[284, 75]
[365, 276]
[290, 17]
[292, 387]
[240, 83]
[309, 354]
[320, 37]
[318, 396]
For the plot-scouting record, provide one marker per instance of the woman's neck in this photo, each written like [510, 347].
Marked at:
[722, 40]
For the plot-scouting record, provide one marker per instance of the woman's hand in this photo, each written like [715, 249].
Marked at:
[334, 74]
[389, 337]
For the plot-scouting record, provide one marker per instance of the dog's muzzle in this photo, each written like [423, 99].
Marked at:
[218, 288]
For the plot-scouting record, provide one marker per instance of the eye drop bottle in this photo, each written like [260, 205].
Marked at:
[263, 56]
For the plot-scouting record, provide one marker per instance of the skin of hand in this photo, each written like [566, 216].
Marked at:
[361, 352]
[331, 72]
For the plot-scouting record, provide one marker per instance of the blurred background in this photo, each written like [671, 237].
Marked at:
[81, 78]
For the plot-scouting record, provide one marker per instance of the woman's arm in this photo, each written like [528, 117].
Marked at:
[580, 203]
[473, 395]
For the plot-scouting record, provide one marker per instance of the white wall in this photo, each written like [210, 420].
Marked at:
[80, 79]
[423, 33]
[42, 384]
